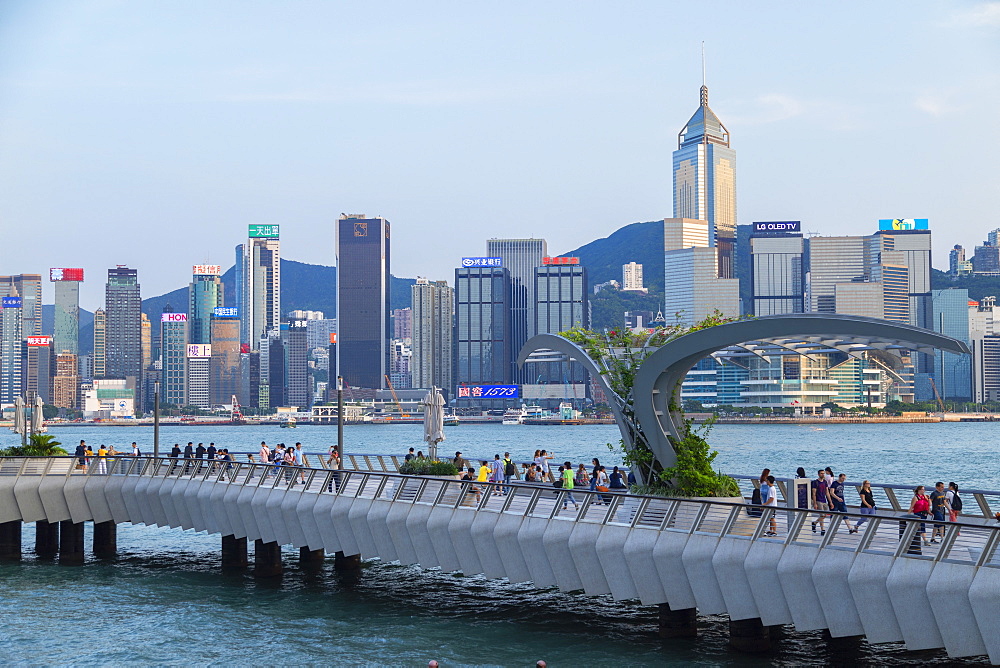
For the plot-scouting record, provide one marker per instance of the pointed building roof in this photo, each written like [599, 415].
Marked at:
[704, 126]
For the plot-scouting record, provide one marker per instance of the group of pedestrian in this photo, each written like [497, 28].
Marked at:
[936, 504]
[290, 456]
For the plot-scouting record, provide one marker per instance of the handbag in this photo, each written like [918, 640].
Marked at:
[602, 488]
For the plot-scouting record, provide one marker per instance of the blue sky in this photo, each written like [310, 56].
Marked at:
[152, 133]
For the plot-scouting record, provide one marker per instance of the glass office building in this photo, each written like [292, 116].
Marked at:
[123, 336]
[173, 357]
[561, 303]
[777, 261]
[704, 175]
[363, 323]
[205, 293]
[952, 372]
[521, 257]
[483, 342]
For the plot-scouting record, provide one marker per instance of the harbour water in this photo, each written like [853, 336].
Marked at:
[165, 600]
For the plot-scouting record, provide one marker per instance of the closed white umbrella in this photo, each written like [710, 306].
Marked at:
[433, 420]
[19, 426]
[38, 416]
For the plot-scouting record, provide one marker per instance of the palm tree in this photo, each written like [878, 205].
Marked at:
[39, 445]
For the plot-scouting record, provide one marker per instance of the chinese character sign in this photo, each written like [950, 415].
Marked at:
[482, 261]
[206, 270]
[12, 302]
[488, 391]
[65, 274]
[199, 350]
[263, 231]
[173, 317]
[39, 340]
[226, 312]
[560, 260]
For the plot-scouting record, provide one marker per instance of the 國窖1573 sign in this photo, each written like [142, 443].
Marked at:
[488, 392]
[482, 261]
[263, 231]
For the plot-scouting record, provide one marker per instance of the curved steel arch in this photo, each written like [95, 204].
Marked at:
[658, 380]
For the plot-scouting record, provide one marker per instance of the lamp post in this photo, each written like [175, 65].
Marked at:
[156, 418]
[340, 417]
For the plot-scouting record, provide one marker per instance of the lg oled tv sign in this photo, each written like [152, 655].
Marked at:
[778, 226]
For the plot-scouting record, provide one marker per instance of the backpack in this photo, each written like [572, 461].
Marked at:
[956, 503]
[756, 501]
[921, 506]
[509, 468]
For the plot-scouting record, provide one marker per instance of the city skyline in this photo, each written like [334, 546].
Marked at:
[198, 142]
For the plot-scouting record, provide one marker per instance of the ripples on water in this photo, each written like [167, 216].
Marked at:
[164, 600]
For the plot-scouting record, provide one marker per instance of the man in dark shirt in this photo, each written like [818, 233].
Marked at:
[409, 455]
[188, 455]
[819, 498]
[938, 497]
[199, 452]
[81, 455]
[210, 452]
[175, 453]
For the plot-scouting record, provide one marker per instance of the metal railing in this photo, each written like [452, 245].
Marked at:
[904, 537]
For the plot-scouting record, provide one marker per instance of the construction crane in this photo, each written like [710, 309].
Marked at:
[394, 397]
[936, 395]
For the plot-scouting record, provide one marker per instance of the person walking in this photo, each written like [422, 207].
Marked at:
[175, 455]
[953, 501]
[265, 457]
[567, 485]
[939, 506]
[289, 464]
[769, 499]
[300, 462]
[867, 505]
[135, 450]
[820, 502]
[496, 472]
[920, 505]
[836, 494]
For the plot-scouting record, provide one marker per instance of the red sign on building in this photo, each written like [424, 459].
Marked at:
[560, 260]
[39, 340]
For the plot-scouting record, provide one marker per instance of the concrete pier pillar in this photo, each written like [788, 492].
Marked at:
[342, 562]
[311, 558]
[46, 538]
[105, 540]
[677, 623]
[749, 635]
[843, 651]
[71, 543]
[266, 559]
[234, 552]
[10, 540]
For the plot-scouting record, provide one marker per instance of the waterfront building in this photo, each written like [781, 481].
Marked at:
[985, 350]
[298, 381]
[123, 338]
[952, 372]
[777, 268]
[147, 360]
[66, 326]
[197, 375]
[520, 257]
[955, 259]
[704, 180]
[272, 370]
[65, 381]
[98, 368]
[561, 303]
[431, 353]
[259, 283]
[36, 365]
[173, 356]
[29, 289]
[910, 248]
[402, 323]
[400, 358]
[108, 398]
[363, 283]
[11, 343]
[225, 361]
[632, 278]
[483, 342]
[693, 288]
[205, 294]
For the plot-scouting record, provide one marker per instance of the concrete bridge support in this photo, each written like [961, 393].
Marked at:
[234, 552]
[266, 559]
[10, 540]
[677, 623]
[105, 540]
[71, 543]
[749, 635]
[348, 565]
[46, 538]
[311, 558]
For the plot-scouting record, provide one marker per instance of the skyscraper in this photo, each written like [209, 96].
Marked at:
[692, 288]
[173, 356]
[29, 288]
[632, 277]
[67, 310]
[298, 382]
[11, 343]
[431, 352]
[260, 287]
[225, 370]
[777, 252]
[363, 259]
[483, 316]
[521, 257]
[952, 372]
[123, 348]
[402, 323]
[100, 361]
[65, 381]
[832, 260]
[704, 170]
[560, 304]
[204, 295]
[955, 259]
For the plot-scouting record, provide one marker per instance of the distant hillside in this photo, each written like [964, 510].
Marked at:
[307, 287]
[978, 286]
[638, 242]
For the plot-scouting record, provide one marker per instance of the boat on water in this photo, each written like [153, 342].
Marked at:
[519, 415]
[288, 424]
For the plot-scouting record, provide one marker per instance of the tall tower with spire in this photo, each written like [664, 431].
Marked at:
[704, 169]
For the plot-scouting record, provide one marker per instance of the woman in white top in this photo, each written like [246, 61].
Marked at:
[769, 497]
[602, 481]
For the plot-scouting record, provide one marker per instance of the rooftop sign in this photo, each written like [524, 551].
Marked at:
[560, 260]
[199, 350]
[65, 274]
[173, 317]
[39, 340]
[226, 312]
[12, 302]
[206, 270]
[903, 224]
[779, 226]
[482, 261]
[263, 231]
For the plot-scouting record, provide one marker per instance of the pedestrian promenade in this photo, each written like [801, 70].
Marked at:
[713, 556]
